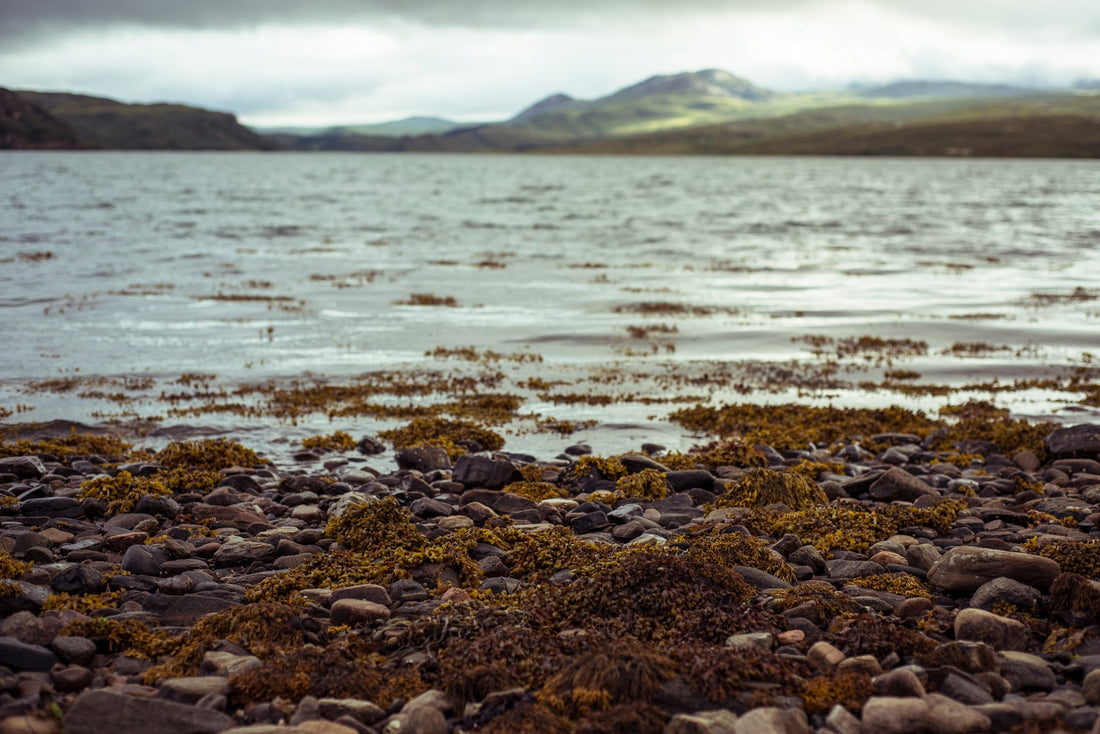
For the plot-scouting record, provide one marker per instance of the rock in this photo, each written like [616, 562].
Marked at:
[81, 579]
[589, 522]
[24, 467]
[78, 650]
[485, 473]
[29, 724]
[771, 720]
[841, 569]
[1075, 600]
[842, 721]
[364, 712]
[243, 553]
[21, 656]
[1091, 688]
[423, 459]
[227, 664]
[962, 688]
[53, 507]
[761, 580]
[19, 596]
[355, 612]
[635, 463]
[719, 721]
[193, 689]
[823, 656]
[807, 555]
[899, 683]
[366, 592]
[893, 715]
[1000, 633]
[232, 517]
[423, 721]
[99, 711]
[898, 484]
[946, 716]
[184, 610]
[967, 568]
[1083, 441]
[749, 640]
[144, 560]
[427, 507]
[1024, 671]
[1005, 590]
[685, 479]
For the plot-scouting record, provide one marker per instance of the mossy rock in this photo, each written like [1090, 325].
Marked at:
[122, 491]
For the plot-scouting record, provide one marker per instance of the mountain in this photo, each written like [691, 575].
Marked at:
[25, 125]
[660, 102]
[943, 90]
[705, 83]
[553, 102]
[109, 124]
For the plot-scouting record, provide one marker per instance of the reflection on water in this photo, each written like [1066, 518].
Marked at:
[253, 266]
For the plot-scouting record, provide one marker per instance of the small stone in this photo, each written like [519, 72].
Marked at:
[823, 656]
[771, 720]
[1008, 591]
[71, 678]
[1024, 671]
[78, 650]
[719, 721]
[243, 553]
[366, 592]
[749, 640]
[842, 721]
[899, 683]
[860, 664]
[898, 484]
[24, 467]
[364, 712]
[227, 664]
[424, 459]
[193, 689]
[914, 607]
[423, 721]
[355, 612]
[1000, 633]
[791, 637]
[29, 724]
[1091, 688]
[946, 716]
[481, 471]
[894, 715]
[144, 560]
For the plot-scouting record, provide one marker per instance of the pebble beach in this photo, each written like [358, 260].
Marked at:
[880, 582]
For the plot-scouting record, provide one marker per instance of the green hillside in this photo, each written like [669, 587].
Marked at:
[1056, 126]
[107, 124]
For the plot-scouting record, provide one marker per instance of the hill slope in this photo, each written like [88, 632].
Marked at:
[26, 126]
[108, 124]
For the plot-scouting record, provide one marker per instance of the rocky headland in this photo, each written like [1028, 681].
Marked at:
[870, 582]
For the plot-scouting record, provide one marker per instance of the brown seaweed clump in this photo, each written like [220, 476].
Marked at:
[209, 454]
[871, 634]
[648, 484]
[902, 584]
[762, 487]
[850, 690]
[454, 436]
[727, 452]
[1074, 556]
[376, 525]
[826, 599]
[738, 549]
[654, 595]
[122, 491]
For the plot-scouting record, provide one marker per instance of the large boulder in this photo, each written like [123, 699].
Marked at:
[967, 568]
[1083, 440]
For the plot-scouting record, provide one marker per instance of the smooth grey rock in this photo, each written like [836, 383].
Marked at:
[771, 720]
[423, 458]
[761, 580]
[1024, 671]
[719, 721]
[1083, 440]
[184, 610]
[960, 687]
[21, 656]
[144, 560]
[898, 484]
[1005, 590]
[100, 711]
[355, 612]
[967, 568]
[946, 716]
[243, 553]
[366, 592]
[893, 715]
[1000, 633]
[483, 472]
[24, 467]
[193, 689]
[21, 596]
[78, 650]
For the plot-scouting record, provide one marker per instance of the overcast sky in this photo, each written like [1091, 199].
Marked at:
[283, 62]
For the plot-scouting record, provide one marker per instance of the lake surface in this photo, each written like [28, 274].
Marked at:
[281, 266]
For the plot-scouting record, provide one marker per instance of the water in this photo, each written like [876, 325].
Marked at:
[277, 266]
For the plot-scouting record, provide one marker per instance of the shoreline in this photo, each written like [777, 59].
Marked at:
[908, 579]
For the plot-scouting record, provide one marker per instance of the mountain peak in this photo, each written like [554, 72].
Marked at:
[553, 102]
[708, 82]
